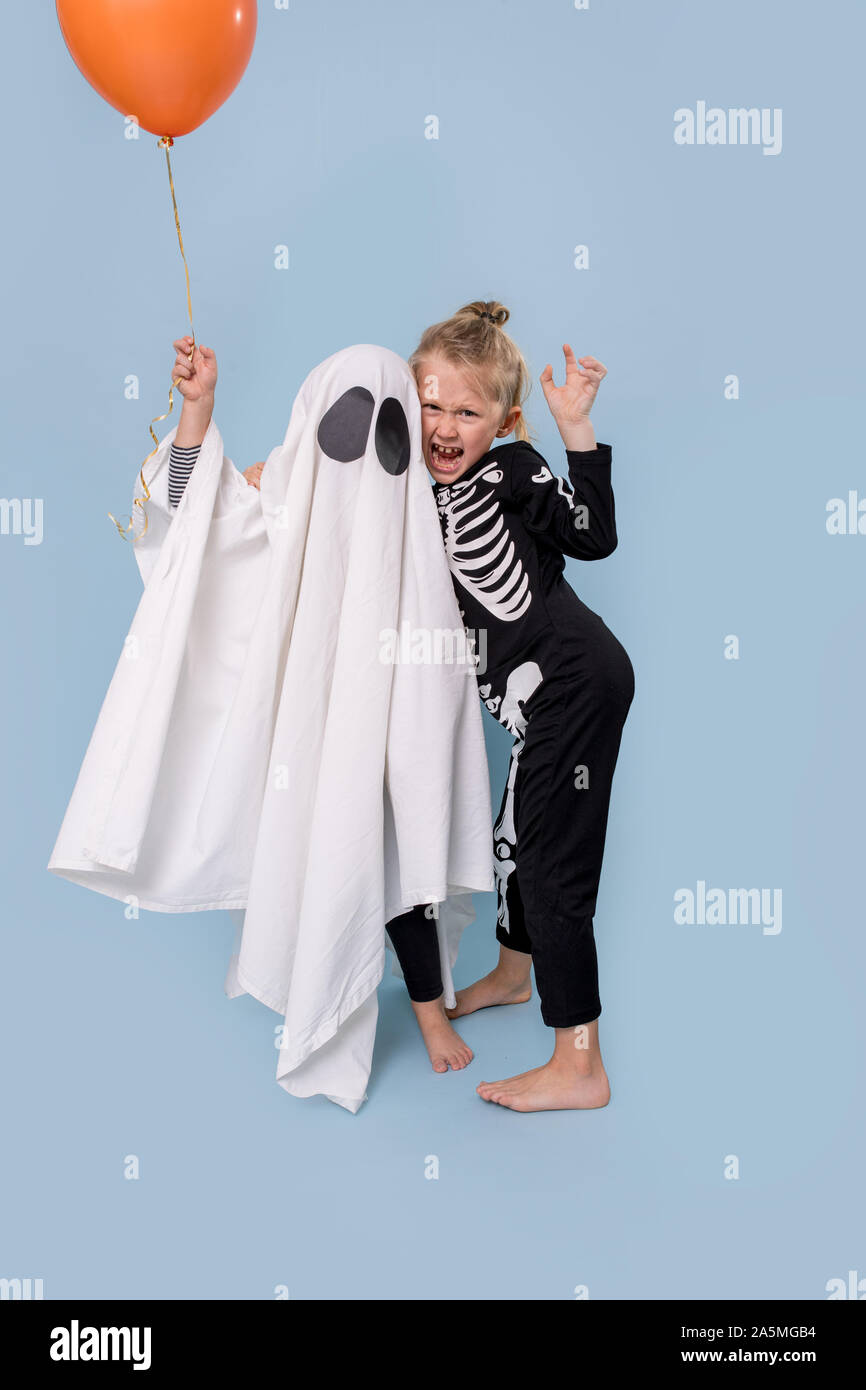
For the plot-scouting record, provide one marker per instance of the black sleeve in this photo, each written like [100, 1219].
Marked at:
[574, 514]
[180, 466]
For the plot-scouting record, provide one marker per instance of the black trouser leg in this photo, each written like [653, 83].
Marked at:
[566, 971]
[563, 956]
[415, 940]
[551, 830]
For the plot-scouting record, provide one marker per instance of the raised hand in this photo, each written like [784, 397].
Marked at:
[570, 404]
[196, 380]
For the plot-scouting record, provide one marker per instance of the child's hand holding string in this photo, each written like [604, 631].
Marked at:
[196, 381]
[570, 404]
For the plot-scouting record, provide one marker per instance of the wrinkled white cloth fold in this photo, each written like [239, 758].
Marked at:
[255, 752]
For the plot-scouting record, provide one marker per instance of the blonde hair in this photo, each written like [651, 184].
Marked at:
[474, 338]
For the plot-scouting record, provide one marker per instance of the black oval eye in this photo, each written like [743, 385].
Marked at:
[392, 437]
[344, 427]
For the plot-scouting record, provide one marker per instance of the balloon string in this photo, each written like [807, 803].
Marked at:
[165, 142]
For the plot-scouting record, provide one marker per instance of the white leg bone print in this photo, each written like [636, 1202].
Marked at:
[521, 683]
[504, 840]
[485, 562]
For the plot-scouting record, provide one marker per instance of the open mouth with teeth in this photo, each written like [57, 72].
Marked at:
[445, 459]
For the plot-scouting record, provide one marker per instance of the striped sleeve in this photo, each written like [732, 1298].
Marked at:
[180, 466]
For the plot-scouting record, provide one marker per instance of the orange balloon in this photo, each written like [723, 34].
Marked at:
[170, 65]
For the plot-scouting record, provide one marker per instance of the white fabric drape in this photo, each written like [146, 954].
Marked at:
[255, 752]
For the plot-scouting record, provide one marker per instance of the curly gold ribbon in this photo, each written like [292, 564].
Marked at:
[164, 143]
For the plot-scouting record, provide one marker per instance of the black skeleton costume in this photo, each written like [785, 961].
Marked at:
[556, 677]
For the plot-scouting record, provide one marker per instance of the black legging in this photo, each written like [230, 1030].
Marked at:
[416, 943]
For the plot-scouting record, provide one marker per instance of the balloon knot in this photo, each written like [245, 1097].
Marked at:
[165, 141]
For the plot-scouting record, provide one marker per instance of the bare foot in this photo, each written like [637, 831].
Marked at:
[549, 1088]
[507, 983]
[444, 1044]
[573, 1079]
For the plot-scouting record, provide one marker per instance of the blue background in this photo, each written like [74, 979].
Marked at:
[556, 129]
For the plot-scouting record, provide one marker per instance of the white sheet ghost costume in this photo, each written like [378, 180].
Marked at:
[260, 749]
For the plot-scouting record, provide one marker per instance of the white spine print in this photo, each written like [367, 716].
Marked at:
[486, 564]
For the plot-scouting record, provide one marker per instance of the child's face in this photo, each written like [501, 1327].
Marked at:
[458, 425]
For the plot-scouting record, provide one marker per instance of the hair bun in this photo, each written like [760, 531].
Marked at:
[488, 309]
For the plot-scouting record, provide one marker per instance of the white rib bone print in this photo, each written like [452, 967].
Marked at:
[480, 551]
